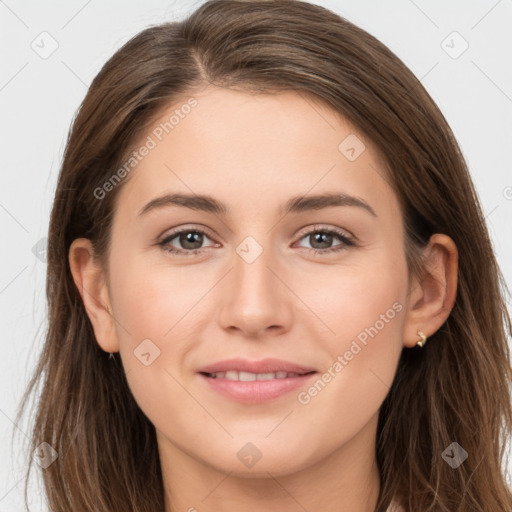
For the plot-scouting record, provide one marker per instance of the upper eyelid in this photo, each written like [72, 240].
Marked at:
[302, 232]
[308, 230]
[320, 227]
[174, 233]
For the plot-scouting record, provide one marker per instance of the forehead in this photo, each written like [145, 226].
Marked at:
[248, 148]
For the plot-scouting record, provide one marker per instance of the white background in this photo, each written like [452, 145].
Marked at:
[38, 98]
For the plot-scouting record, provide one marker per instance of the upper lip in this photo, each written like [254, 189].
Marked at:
[269, 365]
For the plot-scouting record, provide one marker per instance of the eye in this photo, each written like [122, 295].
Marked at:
[321, 240]
[190, 240]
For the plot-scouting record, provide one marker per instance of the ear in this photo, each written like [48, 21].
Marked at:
[90, 280]
[431, 298]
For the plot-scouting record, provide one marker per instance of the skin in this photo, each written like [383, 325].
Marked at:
[254, 152]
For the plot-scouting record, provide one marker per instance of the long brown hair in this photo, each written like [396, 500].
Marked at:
[457, 388]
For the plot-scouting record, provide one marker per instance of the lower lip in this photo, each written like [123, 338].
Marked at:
[256, 391]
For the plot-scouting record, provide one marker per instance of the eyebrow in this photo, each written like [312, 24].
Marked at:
[295, 204]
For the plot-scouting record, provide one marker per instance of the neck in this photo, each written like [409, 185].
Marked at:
[347, 478]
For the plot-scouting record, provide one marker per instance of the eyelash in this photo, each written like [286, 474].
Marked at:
[346, 242]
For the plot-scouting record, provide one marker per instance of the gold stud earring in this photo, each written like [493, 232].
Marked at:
[423, 339]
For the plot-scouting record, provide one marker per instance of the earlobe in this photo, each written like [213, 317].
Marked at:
[90, 281]
[432, 298]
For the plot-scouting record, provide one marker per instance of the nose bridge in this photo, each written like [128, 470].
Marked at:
[252, 275]
[255, 301]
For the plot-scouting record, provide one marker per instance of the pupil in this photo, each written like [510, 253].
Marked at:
[318, 238]
[189, 238]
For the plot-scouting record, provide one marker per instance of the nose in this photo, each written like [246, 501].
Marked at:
[256, 301]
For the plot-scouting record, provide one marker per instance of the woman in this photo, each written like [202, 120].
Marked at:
[201, 357]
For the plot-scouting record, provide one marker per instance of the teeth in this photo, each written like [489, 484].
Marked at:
[249, 376]
[246, 376]
[265, 376]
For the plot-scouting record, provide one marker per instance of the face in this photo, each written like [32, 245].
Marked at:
[262, 272]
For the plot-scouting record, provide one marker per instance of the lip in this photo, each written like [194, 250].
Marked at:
[258, 391]
[269, 365]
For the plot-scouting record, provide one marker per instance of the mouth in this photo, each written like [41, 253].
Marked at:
[256, 387]
[242, 376]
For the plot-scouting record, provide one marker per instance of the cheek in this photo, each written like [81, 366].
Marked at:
[156, 309]
[160, 313]
[152, 300]
[363, 307]
[359, 299]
